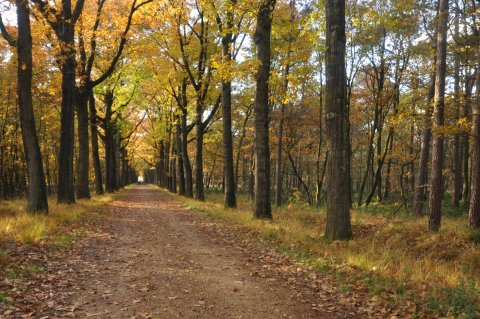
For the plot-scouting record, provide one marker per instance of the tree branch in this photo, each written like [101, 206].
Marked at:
[121, 46]
[11, 41]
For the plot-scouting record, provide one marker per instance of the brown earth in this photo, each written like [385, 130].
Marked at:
[152, 258]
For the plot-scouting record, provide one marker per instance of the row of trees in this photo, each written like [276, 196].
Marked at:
[62, 43]
[319, 102]
[409, 70]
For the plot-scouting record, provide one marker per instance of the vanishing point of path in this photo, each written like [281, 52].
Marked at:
[151, 258]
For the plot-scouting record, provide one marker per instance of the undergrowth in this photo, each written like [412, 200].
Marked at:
[16, 225]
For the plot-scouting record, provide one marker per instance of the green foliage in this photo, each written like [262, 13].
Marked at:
[457, 302]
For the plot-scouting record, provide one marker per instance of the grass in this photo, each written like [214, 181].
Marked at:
[392, 253]
[20, 227]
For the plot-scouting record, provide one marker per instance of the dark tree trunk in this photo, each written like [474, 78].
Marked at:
[457, 152]
[168, 180]
[65, 32]
[261, 121]
[116, 150]
[109, 144]
[388, 174]
[421, 180]
[369, 169]
[281, 122]
[278, 163]
[83, 189]
[199, 192]
[474, 209]
[227, 41]
[178, 147]
[320, 175]
[337, 179]
[436, 182]
[161, 166]
[239, 152]
[36, 191]
[65, 188]
[186, 160]
[97, 167]
[378, 174]
[466, 145]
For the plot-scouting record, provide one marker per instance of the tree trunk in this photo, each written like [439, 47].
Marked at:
[186, 160]
[421, 180]
[109, 144]
[337, 179]
[66, 35]
[97, 167]
[65, 190]
[83, 189]
[37, 190]
[457, 152]
[278, 164]
[474, 209]
[436, 182]
[261, 121]
[320, 175]
[161, 166]
[378, 174]
[199, 192]
[227, 41]
[178, 147]
[466, 145]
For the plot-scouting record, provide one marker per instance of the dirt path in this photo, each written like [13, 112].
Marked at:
[154, 259]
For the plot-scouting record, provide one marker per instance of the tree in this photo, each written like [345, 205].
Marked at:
[62, 19]
[421, 181]
[474, 209]
[226, 28]
[37, 189]
[436, 181]
[84, 93]
[261, 39]
[337, 174]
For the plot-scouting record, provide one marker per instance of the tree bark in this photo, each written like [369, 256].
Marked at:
[97, 167]
[178, 147]
[436, 182]
[109, 144]
[474, 209]
[199, 191]
[227, 41]
[338, 207]
[261, 38]
[36, 187]
[186, 160]
[65, 186]
[457, 152]
[83, 189]
[421, 180]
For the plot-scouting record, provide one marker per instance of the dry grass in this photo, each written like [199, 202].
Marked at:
[19, 226]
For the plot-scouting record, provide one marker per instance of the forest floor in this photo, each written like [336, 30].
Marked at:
[152, 258]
